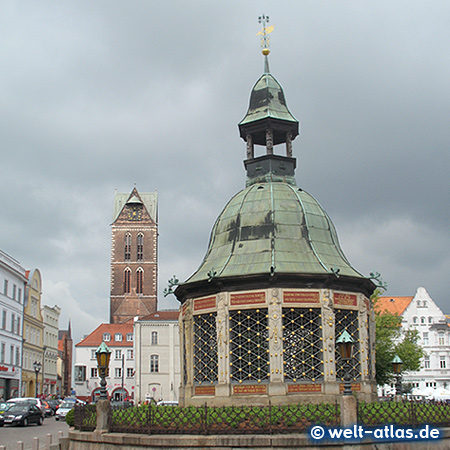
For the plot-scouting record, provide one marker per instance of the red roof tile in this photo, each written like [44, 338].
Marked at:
[96, 337]
[162, 315]
[394, 305]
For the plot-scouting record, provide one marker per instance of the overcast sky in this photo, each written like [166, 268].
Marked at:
[100, 95]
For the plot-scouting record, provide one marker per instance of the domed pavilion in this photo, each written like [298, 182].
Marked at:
[261, 315]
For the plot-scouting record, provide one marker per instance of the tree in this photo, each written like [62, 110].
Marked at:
[391, 340]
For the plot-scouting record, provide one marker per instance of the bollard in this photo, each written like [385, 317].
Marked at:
[48, 441]
[35, 444]
[19, 445]
[60, 434]
[2, 447]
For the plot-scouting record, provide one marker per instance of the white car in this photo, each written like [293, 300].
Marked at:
[26, 401]
[64, 408]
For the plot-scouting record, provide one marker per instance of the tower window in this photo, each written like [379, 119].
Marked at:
[139, 280]
[127, 281]
[140, 247]
[127, 247]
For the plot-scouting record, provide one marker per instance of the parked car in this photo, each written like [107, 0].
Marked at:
[23, 414]
[167, 403]
[2, 421]
[65, 407]
[26, 401]
[54, 404]
[48, 410]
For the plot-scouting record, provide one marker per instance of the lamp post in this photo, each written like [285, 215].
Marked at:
[103, 354]
[37, 368]
[397, 368]
[345, 345]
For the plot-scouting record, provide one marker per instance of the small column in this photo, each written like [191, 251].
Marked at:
[289, 144]
[276, 344]
[250, 147]
[364, 337]
[223, 347]
[328, 329]
[269, 141]
[103, 407]
[187, 346]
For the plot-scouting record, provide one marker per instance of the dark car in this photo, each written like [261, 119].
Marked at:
[23, 415]
[2, 421]
[48, 410]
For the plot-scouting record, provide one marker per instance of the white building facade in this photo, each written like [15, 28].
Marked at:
[50, 360]
[422, 314]
[121, 379]
[157, 350]
[12, 290]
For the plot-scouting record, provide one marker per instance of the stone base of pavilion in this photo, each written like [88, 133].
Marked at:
[274, 393]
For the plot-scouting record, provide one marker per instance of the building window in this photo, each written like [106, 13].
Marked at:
[139, 280]
[94, 372]
[130, 372]
[442, 362]
[14, 291]
[422, 320]
[93, 355]
[414, 319]
[441, 338]
[17, 356]
[127, 247]
[118, 354]
[129, 337]
[118, 372]
[80, 374]
[127, 281]
[427, 362]
[11, 354]
[2, 352]
[118, 337]
[154, 338]
[425, 339]
[19, 296]
[5, 287]
[13, 323]
[430, 319]
[106, 337]
[140, 247]
[4, 319]
[18, 326]
[130, 353]
[154, 363]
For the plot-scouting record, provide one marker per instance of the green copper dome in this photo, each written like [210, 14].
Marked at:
[275, 228]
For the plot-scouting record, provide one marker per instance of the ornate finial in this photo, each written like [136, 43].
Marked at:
[174, 281]
[379, 283]
[265, 40]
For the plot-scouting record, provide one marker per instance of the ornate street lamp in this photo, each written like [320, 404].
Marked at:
[37, 368]
[344, 344]
[103, 354]
[397, 368]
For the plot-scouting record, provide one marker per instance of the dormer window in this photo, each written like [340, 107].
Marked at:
[118, 337]
[106, 337]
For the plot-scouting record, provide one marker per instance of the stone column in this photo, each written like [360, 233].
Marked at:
[275, 323]
[328, 329]
[250, 147]
[223, 347]
[289, 144]
[103, 407]
[363, 336]
[269, 141]
[187, 349]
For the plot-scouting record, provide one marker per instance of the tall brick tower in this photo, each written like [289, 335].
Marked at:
[134, 252]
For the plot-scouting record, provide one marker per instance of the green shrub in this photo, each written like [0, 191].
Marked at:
[70, 418]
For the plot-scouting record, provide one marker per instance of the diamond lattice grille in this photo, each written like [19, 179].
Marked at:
[205, 349]
[249, 345]
[347, 319]
[302, 344]
[185, 377]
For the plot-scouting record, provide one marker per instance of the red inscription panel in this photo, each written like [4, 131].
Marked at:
[250, 389]
[345, 299]
[304, 388]
[248, 298]
[355, 387]
[204, 303]
[205, 390]
[301, 297]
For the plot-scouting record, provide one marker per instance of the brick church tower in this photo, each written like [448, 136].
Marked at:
[134, 252]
